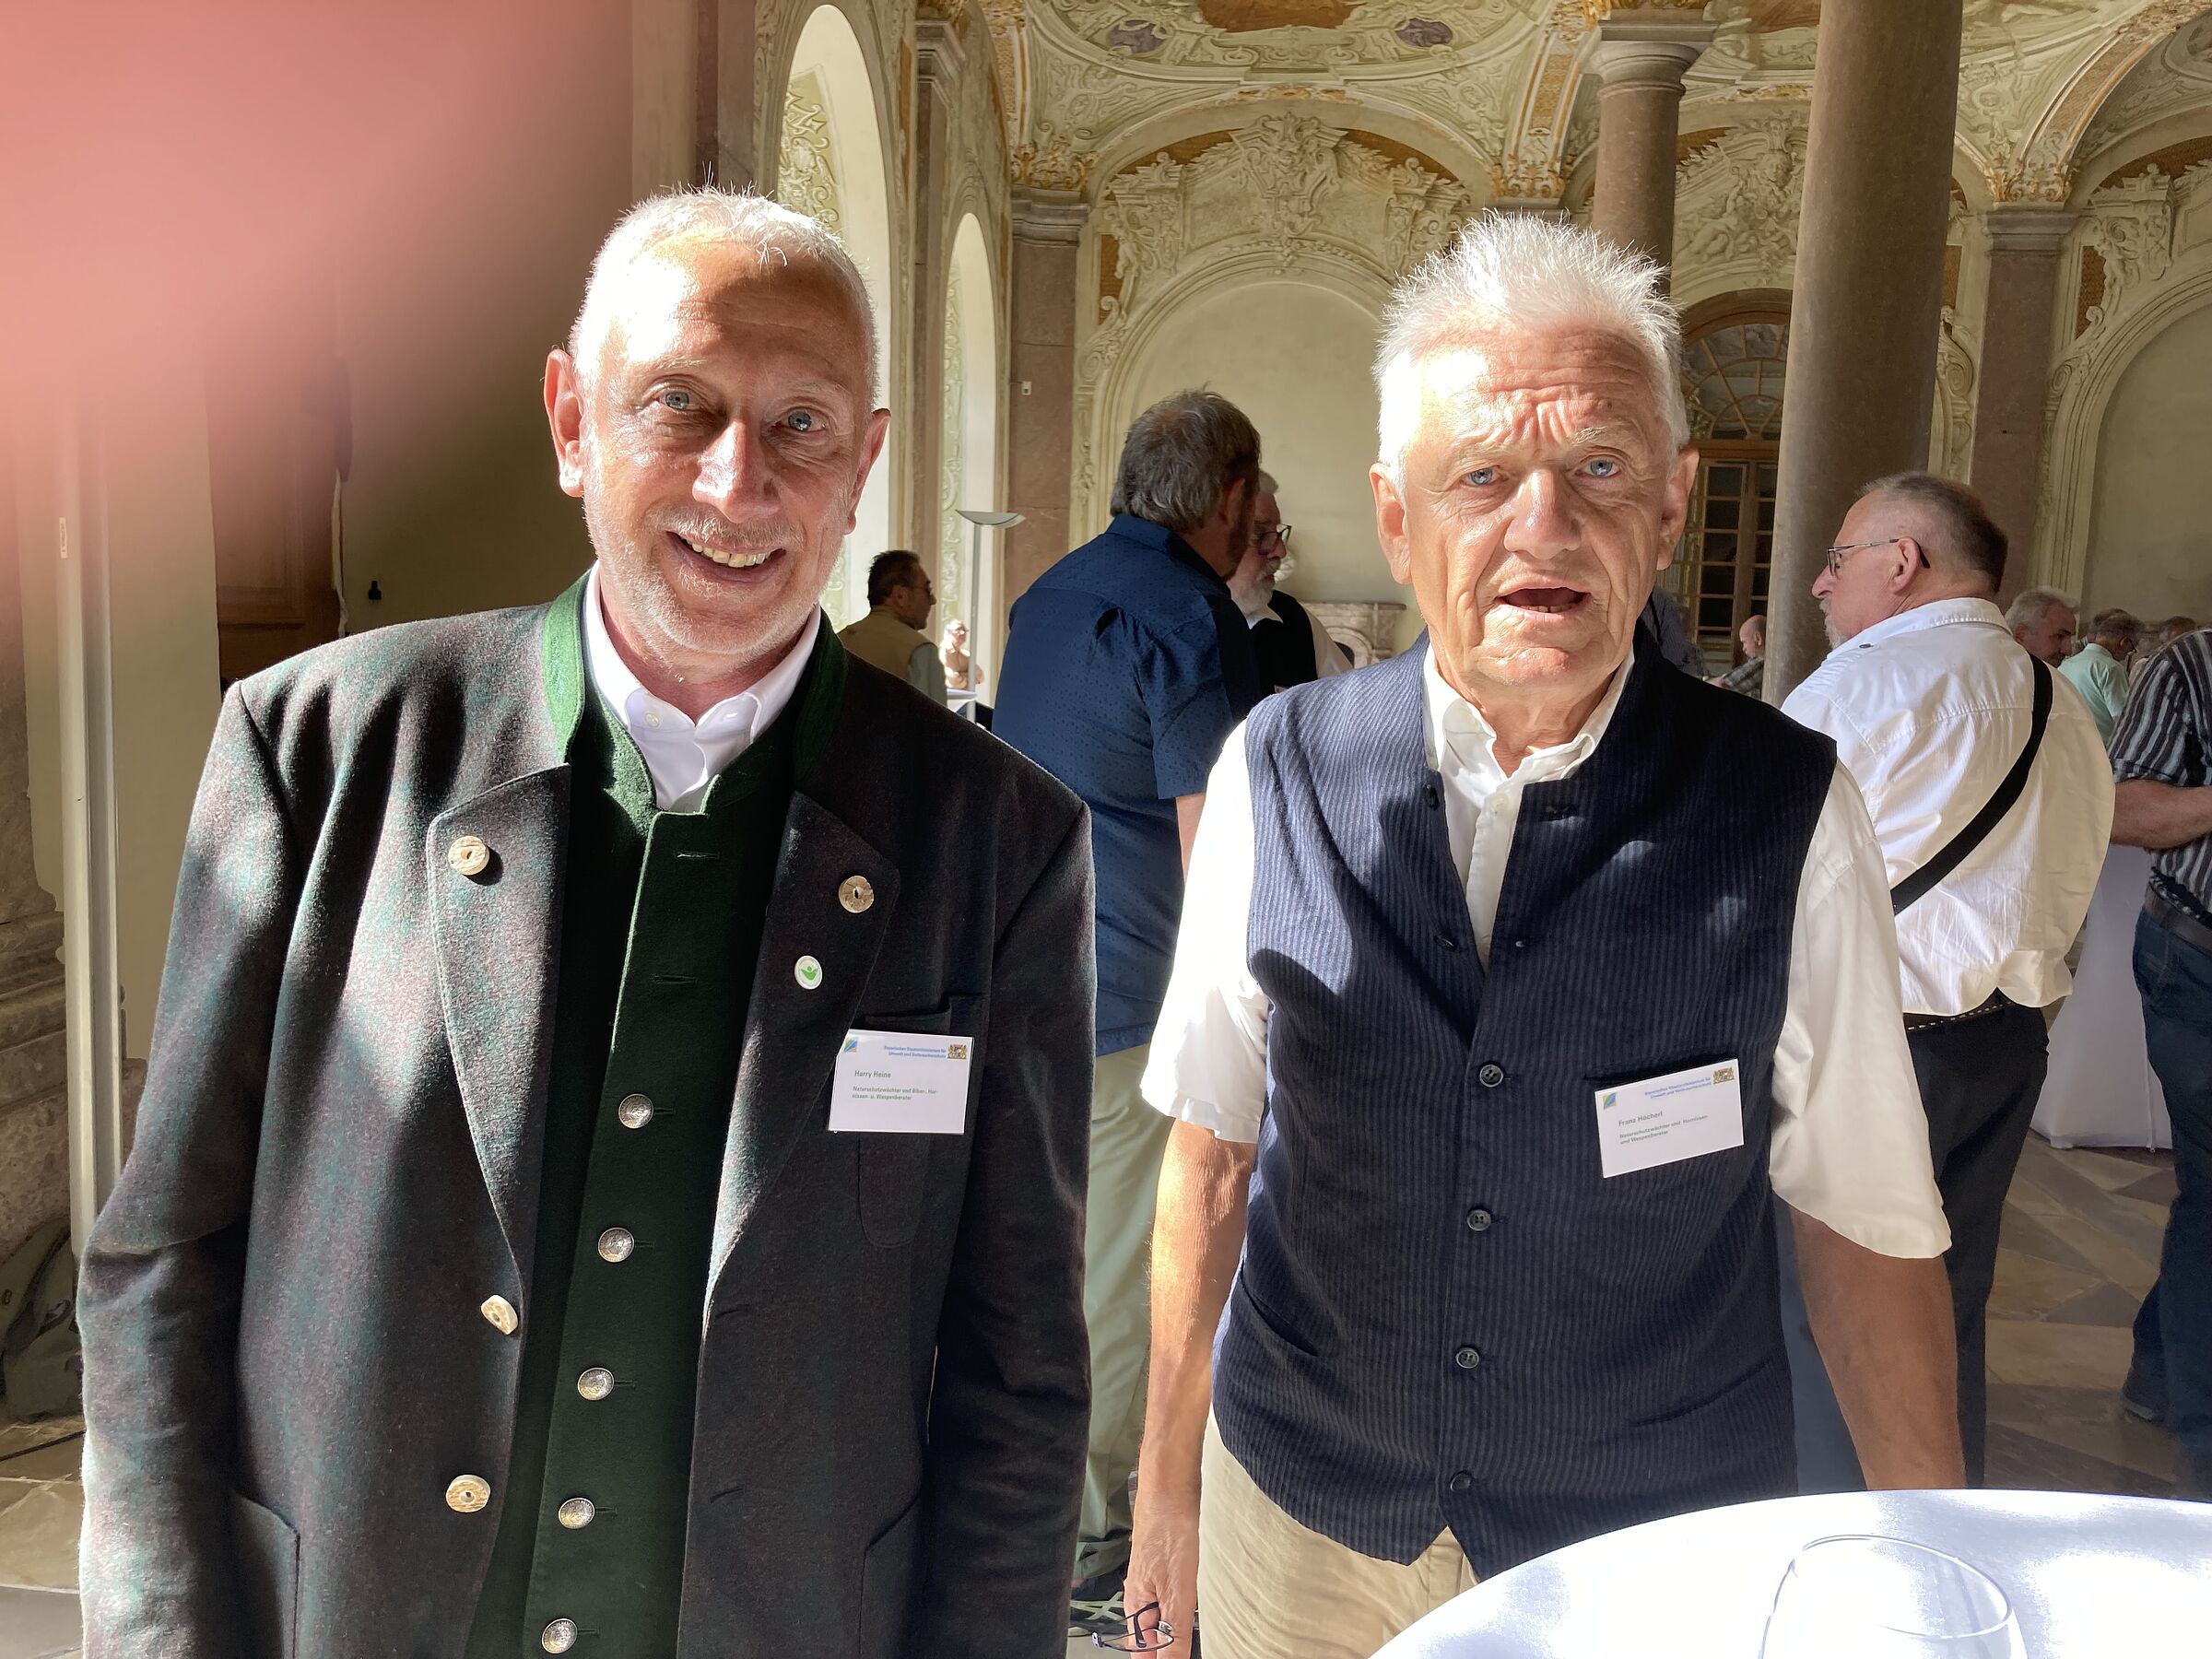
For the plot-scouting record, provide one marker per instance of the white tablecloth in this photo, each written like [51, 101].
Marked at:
[2089, 1578]
[2101, 1090]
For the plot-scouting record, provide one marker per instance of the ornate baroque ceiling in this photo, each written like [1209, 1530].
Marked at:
[1500, 85]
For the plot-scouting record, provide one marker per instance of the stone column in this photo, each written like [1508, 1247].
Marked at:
[1868, 295]
[723, 132]
[1641, 56]
[939, 55]
[2025, 241]
[1040, 374]
[34, 1116]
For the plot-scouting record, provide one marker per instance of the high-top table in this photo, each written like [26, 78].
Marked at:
[2089, 1577]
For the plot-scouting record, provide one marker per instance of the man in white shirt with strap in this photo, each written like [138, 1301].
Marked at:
[1499, 1011]
[1931, 702]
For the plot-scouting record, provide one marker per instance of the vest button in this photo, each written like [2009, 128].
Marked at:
[576, 1513]
[1466, 1359]
[467, 1493]
[1447, 942]
[1478, 1220]
[558, 1637]
[616, 1244]
[595, 1383]
[1492, 1075]
[635, 1111]
[499, 1314]
[1461, 1482]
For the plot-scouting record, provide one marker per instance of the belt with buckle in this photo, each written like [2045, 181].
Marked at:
[2176, 921]
[1921, 1022]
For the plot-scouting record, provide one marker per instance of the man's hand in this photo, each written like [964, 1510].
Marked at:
[1884, 1332]
[1197, 1238]
[2147, 813]
[1161, 1592]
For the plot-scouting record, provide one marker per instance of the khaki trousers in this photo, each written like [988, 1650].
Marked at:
[1128, 1140]
[1271, 1589]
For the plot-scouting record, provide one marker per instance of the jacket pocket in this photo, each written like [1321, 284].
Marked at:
[887, 1585]
[893, 1170]
[267, 1551]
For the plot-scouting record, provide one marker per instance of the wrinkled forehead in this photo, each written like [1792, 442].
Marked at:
[695, 299]
[1553, 378]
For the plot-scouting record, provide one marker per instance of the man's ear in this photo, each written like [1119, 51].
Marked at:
[1390, 524]
[564, 416]
[1910, 556]
[1674, 507]
[1232, 503]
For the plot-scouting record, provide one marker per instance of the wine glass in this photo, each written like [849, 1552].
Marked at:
[1860, 1596]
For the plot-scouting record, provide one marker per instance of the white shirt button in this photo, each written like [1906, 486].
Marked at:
[616, 1244]
[595, 1383]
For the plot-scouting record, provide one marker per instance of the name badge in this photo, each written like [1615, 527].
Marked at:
[1665, 1119]
[900, 1083]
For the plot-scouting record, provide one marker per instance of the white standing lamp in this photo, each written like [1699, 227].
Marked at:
[977, 522]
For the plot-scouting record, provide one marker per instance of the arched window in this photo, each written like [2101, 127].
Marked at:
[1731, 379]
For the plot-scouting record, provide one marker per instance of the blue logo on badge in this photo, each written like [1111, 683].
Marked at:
[851, 1043]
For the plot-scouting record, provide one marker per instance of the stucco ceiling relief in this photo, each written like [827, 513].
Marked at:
[1736, 209]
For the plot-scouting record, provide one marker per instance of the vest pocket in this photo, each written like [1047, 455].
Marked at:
[267, 1551]
[887, 1584]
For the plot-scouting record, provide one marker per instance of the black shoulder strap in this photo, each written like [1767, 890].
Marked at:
[1962, 846]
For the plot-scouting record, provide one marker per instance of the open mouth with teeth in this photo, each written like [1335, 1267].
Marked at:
[1544, 601]
[733, 559]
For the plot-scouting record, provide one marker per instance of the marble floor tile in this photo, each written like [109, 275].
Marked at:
[2088, 1420]
[2064, 1356]
[2027, 1288]
[38, 1534]
[2107, 1304]
[2032, 1236]
[2125, 1267]
[2109, 1173]
[22, 1437]
[50, 1462]
[2159, 1187]
[38, 1624]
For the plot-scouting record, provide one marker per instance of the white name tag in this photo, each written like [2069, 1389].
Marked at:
[1664, 1119]
[900, 1083]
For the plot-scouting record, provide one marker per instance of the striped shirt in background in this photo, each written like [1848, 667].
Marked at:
[2166, 736]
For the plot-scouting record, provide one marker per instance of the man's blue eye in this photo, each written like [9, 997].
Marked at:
[680, 401]
[1483, 476]
[802, 420]
[1605, 466]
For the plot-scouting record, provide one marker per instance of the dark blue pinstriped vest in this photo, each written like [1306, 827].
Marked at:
[1444, 1314]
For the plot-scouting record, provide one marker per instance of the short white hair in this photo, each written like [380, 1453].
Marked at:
[1509, 272]
[2029, 605]
[709, 212]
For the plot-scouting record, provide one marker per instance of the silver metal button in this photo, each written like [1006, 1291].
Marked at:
[595, 1383]
[616, 1244]
[576, 1513]
[558, 1637]
[635, 1111]
[498, 1313]
[467, 1494]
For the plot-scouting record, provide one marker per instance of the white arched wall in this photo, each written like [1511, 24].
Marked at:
[829, 51]
[2149, 542]
[973, 436]
[1295, 357]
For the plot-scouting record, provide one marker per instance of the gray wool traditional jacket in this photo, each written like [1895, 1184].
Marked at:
[337, 1165]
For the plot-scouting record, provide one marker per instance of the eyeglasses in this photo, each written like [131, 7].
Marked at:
[1279, 534]
[1835, 554]
[1162, 1635]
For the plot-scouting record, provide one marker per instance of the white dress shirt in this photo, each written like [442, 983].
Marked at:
[682, 755]
[1850, 1142]
[1929, 711]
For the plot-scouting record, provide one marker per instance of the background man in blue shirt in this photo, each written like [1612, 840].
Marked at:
[1128, 664]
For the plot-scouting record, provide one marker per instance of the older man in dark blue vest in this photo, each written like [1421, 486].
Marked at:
[1499, 1010]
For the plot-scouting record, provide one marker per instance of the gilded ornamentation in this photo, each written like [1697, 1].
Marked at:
[2131, 228]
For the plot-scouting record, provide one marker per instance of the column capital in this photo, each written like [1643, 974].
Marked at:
[2027, 227]
[938, 55]
[1049, 216]
[1649, 46]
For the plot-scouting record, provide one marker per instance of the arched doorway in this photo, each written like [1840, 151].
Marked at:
[969, 473]
[829, 163]
[1731, 379]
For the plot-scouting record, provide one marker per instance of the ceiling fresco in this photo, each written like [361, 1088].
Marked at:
[1503, 81]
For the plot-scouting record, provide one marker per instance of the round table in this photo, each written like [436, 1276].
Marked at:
[2090, 1577]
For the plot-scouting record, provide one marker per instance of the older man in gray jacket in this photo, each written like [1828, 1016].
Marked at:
[610, 1174]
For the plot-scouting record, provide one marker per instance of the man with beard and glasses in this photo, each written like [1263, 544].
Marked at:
[1289, 642]
[611, 1169]
[1126, 665]
[1499, 1010]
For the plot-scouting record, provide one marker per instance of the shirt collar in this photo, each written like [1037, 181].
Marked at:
[1941, 613]
[759, 703]
[1159, 535]
[1461, 737]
